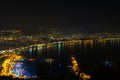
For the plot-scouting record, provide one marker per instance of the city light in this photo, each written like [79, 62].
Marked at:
[12, 67]
[75, 68]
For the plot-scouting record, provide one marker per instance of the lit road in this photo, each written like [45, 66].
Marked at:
[75, 68]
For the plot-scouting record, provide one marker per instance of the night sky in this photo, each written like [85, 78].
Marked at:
[61, 15]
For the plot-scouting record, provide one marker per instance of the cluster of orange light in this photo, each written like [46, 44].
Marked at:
[85, 42]
[7, 64]
[75, 68]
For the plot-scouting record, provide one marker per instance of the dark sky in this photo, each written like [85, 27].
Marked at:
[82, 15]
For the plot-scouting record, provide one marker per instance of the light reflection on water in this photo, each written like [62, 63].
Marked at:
[88, 52]
[57, 56]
